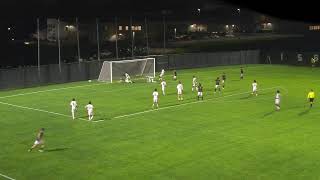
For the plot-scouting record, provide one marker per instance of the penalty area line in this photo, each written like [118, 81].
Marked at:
[39, 110]
[7, 177]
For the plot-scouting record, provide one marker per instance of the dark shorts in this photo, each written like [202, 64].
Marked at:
[311, 99]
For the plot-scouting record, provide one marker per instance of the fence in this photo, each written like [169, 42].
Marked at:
[299, 58]
[71, 72]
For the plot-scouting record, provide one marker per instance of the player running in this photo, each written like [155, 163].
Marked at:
[223, 79]
[175, 75]
[127, 78]
[194, 83]
[255, 88]
[200, 92]
[73, 105]
[180, 91]
[161, 74]
[155, 95]
[217, 87]
[241, 73]
[163, 87]
[311, 97]
[39, 141]
[89, 108]
[277, 100]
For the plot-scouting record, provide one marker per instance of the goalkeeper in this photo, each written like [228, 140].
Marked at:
[127, 78]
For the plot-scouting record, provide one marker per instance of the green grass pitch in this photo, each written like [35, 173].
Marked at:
[232, 135]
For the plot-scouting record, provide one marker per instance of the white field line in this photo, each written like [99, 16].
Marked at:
[184, 104]
[7, 177]
[72, 87]
[39, 110]
[49, 90]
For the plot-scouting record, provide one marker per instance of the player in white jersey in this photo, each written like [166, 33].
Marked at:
[89, 108]
[161, 74]
[127, 78]
[180, 91]
[73, 105]
[255, 88]
[155, 95]
[194, 83]
[277, 100]
[163, 87]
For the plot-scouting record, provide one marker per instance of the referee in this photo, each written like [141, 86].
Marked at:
[311, 97]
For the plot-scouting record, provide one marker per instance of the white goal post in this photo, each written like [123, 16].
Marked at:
[115, 70]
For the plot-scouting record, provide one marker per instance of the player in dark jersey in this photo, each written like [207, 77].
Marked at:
[39, 141]
[175, 75]
[200, 92]
[224, 77]
[217, 85]
[241, 73]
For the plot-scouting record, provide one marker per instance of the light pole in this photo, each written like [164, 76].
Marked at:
[199, 10]
[175, 33]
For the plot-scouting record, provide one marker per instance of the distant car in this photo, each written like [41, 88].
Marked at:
[229, 35]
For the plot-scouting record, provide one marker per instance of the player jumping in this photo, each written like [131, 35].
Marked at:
[155, 98]
[180, 91]
[39, 141]
[89, 108]
[255, 87]
[217, 87]
[311, 97]
[161, 75]
[163, 87]
[277, 100]
[194, 83]
[73, 105]
[200, 92]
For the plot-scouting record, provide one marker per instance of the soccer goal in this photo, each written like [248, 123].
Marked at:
[136, 68]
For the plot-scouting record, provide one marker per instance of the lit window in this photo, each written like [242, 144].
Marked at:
[139, 28]
[120, 28]
[127, 28]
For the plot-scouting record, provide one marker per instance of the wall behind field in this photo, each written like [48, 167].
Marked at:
[71, 72]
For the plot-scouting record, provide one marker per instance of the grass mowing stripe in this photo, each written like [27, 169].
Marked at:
[184, 104]
[49, 90]
[7, 177]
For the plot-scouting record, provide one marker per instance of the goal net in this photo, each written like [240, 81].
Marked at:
[136, 68]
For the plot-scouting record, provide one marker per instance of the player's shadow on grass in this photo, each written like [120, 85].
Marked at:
[56, 149]
[304, 112]
[268, 114]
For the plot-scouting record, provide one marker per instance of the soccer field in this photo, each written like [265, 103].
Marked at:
[232, 135]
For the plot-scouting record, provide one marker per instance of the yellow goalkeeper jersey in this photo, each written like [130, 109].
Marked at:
[311, 94]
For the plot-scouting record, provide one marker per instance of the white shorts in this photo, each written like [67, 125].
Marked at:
[155, 100]
[36, 142]
[174, 77]
[179, 92]
[222, 81]
[217, 86]
[199, 93]
[194, 85]
[73, 109]
[161, 75]
[163, 89]
[90, 113]
[254, 89]
[277, 101]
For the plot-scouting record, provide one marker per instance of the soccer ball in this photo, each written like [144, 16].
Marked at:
[89, 81]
